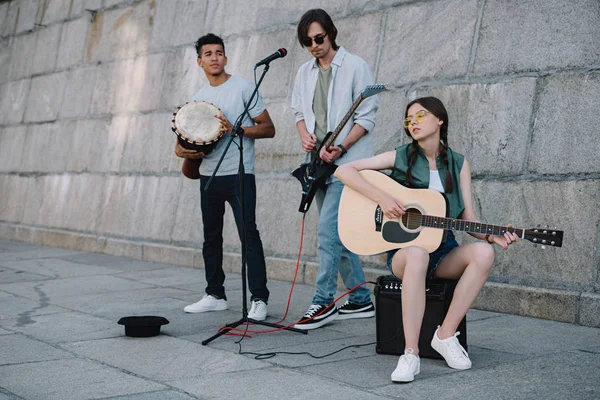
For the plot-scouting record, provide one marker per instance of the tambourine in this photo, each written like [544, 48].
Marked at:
[196, 126]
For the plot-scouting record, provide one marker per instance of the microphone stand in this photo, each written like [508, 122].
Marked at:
[237, 130]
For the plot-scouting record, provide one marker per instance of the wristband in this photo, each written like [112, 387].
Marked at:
[487, 238]
[342, 148]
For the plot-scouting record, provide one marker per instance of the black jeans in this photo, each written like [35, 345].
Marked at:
[212, 203]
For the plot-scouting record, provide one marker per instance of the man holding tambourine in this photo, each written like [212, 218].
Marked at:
[199, 125]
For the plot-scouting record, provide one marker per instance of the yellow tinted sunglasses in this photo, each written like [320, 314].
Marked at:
[418, 117]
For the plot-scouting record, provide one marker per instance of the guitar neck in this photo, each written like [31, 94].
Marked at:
[343, 122]
[451, 224]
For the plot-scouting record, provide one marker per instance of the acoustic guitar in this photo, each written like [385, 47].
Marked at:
[365, 230]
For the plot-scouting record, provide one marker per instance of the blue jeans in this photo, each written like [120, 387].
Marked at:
[212, 203]
[333, 256]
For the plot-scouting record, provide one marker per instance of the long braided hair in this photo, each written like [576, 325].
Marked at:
[435, 107]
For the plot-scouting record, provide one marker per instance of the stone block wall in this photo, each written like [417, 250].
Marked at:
[87, 88]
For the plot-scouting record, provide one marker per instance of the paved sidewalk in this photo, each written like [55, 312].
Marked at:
[59, 339]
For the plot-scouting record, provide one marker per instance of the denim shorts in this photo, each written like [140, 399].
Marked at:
[434, 258]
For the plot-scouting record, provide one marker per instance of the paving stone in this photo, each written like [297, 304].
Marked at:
[18, 349]
[269, 386]
[145, 357]
[72, 379]
[65, 327]
[55, 268]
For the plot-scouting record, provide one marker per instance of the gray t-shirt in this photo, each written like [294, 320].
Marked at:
[231, 98]
[320, 103]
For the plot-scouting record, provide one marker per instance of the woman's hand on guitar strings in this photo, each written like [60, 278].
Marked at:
[391, 207]
[182, 152]
[505, 240]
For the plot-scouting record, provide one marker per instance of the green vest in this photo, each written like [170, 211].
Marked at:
[420, 174]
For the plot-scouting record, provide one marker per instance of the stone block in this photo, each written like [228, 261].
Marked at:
[73, 42]
[24, 13]
[72, 202]
[389, 132]
[102, 96]
[122, 248]
[137, 83]
[45, 97]
[92, 5]
[78, 92]
[183, 78]
[451, 22]
[5, 57]
[282, 269]
[178, 22]
[59, 10]
[278, 220]
[13, 189]
[149, 143]
[526, 204]
[53, 141]
[12, 143]
[188, 218]
[160, 253]
[244, 52]
[139, 206]
[119, 33]
[489, 123]
[589, 309]
[116, 214]
[283, 153]
[6, 27]
[23, 51]
[235, 17]
[69, 240]
[557, 305]
[14, 101]
[369, 5]
[360, 36]
[46, 50]
[537, 35]
[561, 143]
[90, 144]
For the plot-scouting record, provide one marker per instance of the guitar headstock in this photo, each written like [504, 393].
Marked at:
[544, 236]
[372, 90]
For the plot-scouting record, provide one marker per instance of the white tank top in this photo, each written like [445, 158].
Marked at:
[435, 182]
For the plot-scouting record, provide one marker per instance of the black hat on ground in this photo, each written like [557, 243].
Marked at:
[143, 326]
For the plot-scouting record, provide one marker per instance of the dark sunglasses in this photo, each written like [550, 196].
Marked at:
[319, 39]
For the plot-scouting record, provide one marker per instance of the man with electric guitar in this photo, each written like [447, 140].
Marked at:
[325, 88]
[426, 162]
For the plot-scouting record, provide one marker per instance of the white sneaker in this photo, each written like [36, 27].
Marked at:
[258, 311]
[455, 355]
[408, 366]
[207, 303]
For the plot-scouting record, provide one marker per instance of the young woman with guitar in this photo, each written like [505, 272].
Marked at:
[428, 162]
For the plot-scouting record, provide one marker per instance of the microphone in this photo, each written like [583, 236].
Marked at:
[278, 54]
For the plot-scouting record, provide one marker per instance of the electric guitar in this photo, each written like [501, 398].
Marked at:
[365, 230]
[314, 174]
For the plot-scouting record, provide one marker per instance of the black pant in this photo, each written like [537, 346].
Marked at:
[226, 189]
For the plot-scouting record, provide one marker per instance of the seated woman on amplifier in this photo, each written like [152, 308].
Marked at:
[428, 162]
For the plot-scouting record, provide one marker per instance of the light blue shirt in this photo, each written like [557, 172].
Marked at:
[351, 75]
[230, 97]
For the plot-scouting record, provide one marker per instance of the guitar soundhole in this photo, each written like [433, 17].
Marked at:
[412, 219]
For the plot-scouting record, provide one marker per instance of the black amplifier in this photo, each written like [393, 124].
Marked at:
[388, 315]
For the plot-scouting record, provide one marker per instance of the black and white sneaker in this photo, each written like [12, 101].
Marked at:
[317, 316]
[352, 310]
